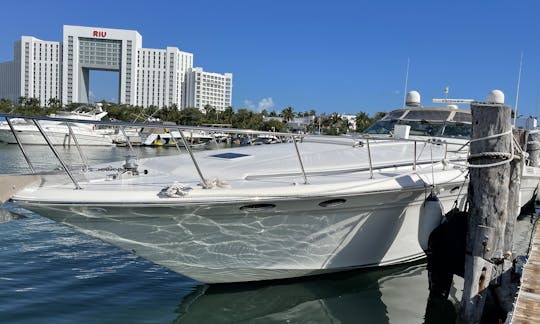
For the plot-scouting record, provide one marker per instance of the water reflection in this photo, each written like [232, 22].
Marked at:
[42, 158]
[387, 295]
[6, 215]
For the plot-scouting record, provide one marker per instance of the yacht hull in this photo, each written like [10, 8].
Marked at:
[227, 242]
[29, 137]
[34, 137]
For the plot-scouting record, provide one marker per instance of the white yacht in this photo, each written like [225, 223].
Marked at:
[58, 131]
[313, 205]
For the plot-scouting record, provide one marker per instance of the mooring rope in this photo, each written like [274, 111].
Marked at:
[508, 157]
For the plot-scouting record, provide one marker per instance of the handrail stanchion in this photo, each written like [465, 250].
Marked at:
[175, 142]
[56, 154]
[20, 145]
[300, 159]
[369, 158]
[414, 160]
[83, 157]
[128, 141]
[205, 185]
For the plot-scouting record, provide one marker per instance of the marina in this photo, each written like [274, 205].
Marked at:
[270, 162]
[262, 213]
[216, 246]
[53, 273]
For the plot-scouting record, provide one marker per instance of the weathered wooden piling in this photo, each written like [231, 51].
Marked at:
[505, 290]
[533, 148]
[491, 150]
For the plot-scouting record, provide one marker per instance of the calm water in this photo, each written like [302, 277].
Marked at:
[51, 274]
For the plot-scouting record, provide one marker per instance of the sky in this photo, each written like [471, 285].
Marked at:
[331, 56]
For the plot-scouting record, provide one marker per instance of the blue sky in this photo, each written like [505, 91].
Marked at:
[331, 56]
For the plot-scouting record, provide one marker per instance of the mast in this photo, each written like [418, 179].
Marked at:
[517, 90]
[406, 81]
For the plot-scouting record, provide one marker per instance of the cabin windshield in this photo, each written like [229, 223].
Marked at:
[422, 128]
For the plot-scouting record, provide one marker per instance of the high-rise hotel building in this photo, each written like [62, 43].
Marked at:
[206, 88]
[159, 77]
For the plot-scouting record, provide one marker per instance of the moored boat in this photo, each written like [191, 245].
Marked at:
[59, 132]
[312, 205]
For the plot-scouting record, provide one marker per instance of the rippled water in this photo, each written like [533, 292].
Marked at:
[51, 274]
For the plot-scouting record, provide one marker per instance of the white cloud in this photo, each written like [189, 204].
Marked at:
[249, 104]
[264, 103]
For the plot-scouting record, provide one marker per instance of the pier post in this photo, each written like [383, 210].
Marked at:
[488, 194]
[506, 291]
[533, 148]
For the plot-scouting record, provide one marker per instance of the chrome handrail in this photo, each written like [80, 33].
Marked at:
[83, 157]
[123, 130]
[369, 159]
[51, 146]
[186, 145]
[353, 141]
[300, 159]
[20, 145]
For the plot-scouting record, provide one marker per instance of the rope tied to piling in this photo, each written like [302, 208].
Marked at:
[491, 155]
[491, 136]
[506, 157]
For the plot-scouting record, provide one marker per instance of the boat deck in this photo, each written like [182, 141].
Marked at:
[527, 306]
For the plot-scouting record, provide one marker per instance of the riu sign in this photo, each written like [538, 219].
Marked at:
[99, 33]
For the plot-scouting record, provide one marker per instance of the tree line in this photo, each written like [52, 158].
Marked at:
[328, 124]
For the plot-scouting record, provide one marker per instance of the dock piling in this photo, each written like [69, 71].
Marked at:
[491, 151]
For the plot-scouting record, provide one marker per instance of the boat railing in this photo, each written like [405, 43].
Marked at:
[359, 141]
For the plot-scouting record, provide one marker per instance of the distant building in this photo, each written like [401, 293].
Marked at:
[300, 124]
[351, 119]
[47, 69]
[161, 75]
[35, 71]
[297, 125]
[527, 122]
[207, 88]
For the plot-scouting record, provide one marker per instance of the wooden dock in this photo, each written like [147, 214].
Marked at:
[527, 306]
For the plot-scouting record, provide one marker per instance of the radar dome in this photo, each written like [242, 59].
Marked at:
[413, 99]
[496, 97]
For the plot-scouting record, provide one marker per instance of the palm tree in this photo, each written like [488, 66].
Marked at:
[54, 103]
[22, 100]
[362, 121]
[287, 114]
[211, 113]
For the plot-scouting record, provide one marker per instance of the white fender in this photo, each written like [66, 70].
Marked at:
[431, 215]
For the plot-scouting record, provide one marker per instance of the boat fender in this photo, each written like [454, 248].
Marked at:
[446, 253]
[431, 215]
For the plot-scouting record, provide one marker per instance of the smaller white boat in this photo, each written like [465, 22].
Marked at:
[266, 139]
[59, 131]
[167, 137]
[221, 137]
